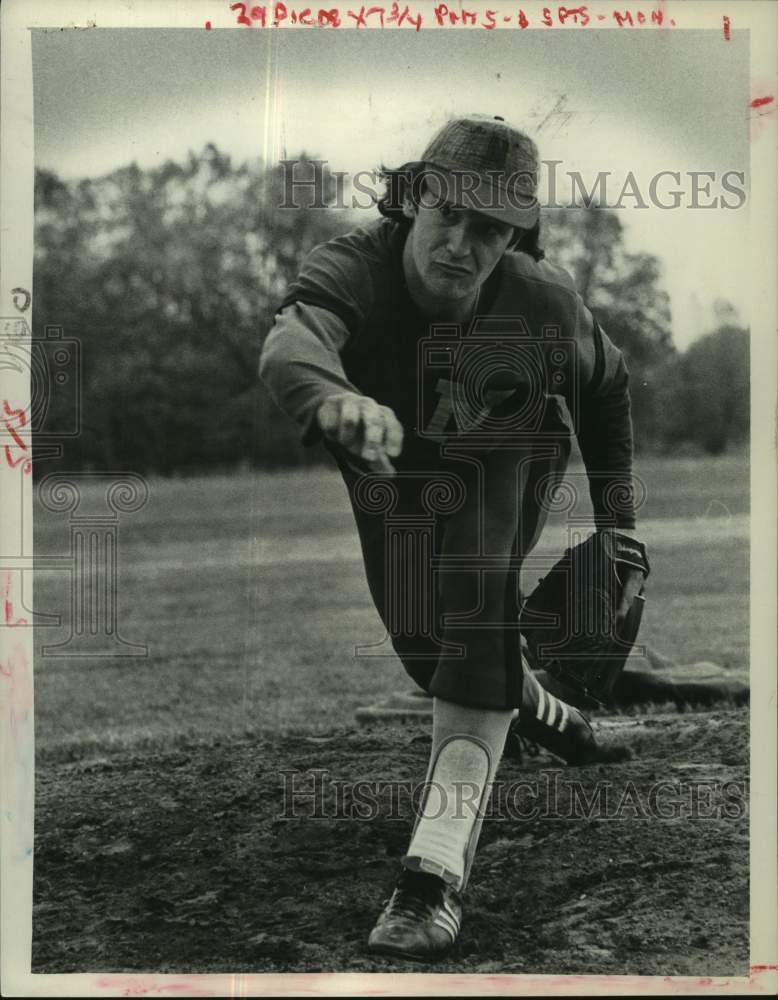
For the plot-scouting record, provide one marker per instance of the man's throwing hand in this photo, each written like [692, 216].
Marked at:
[363, 427]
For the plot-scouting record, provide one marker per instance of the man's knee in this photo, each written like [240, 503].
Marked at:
[421, 672]
[419, 657]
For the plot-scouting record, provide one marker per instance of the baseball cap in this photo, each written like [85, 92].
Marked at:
[488, 165]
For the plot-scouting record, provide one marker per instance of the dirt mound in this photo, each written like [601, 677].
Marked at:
[276, 854]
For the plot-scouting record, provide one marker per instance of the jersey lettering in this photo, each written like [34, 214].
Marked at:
[443, 412]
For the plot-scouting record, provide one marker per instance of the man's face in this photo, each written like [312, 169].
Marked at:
[451, 250]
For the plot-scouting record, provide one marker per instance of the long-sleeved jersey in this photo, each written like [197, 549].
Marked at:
[348, 323]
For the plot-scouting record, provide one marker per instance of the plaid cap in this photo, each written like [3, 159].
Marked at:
[489, 166]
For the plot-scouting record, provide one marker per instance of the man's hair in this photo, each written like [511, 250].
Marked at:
[408, 181]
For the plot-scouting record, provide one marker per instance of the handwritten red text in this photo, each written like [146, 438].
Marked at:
[13, 421]
[442, 15]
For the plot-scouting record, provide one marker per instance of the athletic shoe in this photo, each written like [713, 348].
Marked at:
[557, 726]
[421, 920]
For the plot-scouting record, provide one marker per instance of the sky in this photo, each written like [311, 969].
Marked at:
[611, 101]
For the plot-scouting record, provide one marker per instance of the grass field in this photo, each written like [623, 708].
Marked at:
[162, 838]
[250, 594]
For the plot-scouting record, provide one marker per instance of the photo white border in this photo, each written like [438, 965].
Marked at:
[16, 645]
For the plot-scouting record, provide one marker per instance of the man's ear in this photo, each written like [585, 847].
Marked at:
[409, 209]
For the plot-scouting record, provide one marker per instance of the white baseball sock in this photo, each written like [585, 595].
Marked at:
[467, 745]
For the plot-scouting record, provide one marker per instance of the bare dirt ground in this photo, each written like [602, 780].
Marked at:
[200, 857]
[163, 838]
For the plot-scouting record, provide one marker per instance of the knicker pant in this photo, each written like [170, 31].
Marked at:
[442, 552]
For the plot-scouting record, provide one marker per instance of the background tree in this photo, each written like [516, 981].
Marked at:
[624, 292]
[170, 278]
[714, 381]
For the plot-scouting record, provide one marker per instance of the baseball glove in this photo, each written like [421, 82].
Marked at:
[581, 621]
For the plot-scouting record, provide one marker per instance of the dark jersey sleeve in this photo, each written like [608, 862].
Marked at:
[335, 276]
[300, 363]
[604, 429]
[324, 309]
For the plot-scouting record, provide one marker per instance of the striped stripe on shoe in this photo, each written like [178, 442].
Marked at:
[547, 721]
[551, 710]
[449, 920]
[420, 921]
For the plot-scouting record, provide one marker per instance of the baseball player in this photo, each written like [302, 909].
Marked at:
[446, 364]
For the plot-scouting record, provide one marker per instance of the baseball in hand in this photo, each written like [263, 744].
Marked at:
[363, 427]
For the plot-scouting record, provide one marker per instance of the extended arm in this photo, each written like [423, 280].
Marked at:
[301, 365]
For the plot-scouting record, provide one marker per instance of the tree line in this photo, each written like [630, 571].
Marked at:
[169, 279]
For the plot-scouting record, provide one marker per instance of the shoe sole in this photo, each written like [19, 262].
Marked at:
[411, 956]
